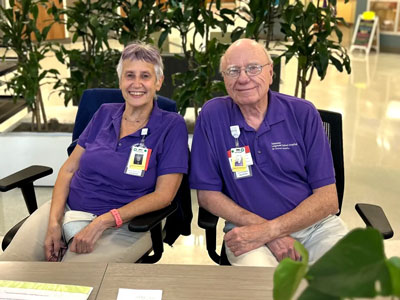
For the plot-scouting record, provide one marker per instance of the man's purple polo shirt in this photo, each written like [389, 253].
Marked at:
[100, 183]
[290, 151]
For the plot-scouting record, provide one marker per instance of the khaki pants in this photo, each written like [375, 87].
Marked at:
[317, 239]
[115, 244]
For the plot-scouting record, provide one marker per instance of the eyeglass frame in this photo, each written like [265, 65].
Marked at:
[260, 67]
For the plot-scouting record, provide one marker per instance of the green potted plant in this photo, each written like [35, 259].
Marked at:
[151, 14]
[356, 267]
[22, 36]
[310, 30]
[194, 20]
[93, 64]
[260, 16]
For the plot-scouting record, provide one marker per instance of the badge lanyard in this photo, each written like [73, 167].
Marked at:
[139, 157]
[240, 158]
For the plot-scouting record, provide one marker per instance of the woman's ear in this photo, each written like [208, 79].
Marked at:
[159, 83]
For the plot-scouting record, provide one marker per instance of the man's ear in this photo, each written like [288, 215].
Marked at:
[271, 73]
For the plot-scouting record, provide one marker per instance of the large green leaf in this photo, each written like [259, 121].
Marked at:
[289, 274]
[354, 267]
[393, 265]
[311, 294]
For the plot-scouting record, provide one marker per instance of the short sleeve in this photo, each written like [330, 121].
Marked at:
[319, 163]
[174, 156]
[204, 172]
[88, 131]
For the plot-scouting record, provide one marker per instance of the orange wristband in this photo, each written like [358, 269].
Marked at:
[117, 217]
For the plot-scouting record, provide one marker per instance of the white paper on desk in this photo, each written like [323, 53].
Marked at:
[131, 294]
[23, 290]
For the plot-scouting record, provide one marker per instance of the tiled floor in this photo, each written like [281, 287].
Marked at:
[369, 100]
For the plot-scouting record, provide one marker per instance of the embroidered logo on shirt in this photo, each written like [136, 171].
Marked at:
[281, 146]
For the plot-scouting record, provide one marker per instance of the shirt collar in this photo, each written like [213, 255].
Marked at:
[153, 123]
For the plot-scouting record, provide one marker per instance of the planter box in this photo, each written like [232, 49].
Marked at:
[21, 149]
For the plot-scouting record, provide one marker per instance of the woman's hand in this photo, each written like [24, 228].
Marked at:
[53, 244]
[84, 241]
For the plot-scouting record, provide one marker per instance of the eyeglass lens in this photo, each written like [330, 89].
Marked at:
[250, 70]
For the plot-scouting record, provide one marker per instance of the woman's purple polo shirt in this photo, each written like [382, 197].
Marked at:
[100, 183]
[290, 150]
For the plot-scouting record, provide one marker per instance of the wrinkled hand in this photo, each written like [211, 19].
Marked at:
[243, 239]
[84, 241]
[283, 247]
[53, 242]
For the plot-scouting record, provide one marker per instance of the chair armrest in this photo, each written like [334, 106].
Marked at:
[148, 221]
[24, 177]
[206, 219]
[152, 222]
[375, 217]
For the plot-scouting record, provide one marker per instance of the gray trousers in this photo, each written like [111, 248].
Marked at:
[115, 244]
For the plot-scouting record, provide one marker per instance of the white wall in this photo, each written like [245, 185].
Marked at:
[21, 150]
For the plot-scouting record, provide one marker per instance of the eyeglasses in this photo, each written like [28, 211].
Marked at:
[250, 70]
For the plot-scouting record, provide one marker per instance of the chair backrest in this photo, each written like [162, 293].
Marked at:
[179, 222]
[332, 122]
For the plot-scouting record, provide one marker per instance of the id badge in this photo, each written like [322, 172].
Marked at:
[240, 161]
[138, 161]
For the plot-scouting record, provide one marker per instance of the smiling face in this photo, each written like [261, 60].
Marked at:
[138, 83]
[247, 90]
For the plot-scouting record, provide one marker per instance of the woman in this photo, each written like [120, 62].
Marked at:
[129, 161]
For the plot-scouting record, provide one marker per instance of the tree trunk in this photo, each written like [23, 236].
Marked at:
[298, 79]
[303, 83]
[196, 111]
[37, 111]
[41, 105]
[36, 116]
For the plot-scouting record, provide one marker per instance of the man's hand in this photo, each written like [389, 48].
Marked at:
[84, 241]
[243, 239]
[283, 247]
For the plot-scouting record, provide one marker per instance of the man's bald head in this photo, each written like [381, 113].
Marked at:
[245, 45]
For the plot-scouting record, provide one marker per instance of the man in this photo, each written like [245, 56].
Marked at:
[285, 189]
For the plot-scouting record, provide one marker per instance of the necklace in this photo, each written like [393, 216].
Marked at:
[138, 122]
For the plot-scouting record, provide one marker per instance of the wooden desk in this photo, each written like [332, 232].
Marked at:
[189, 281]
[88, 274]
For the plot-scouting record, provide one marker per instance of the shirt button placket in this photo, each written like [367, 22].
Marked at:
[257, 145]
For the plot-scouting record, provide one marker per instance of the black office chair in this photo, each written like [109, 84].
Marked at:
[178, 214]
[372, 215]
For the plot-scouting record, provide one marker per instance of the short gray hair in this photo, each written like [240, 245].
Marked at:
[144, 52]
